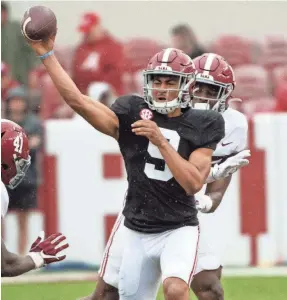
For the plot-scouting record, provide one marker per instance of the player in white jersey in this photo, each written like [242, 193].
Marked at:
[214, 85]
[15, 161]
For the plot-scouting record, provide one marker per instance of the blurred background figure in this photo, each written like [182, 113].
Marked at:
[99, 56]
[44, 97]
[24, 198]
[99, 92]
[102, 92]
[184, 38]
[7, 83]
[14, 50]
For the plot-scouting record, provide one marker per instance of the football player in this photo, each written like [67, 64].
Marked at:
[15, 161]
[215, 82]
[167, 149]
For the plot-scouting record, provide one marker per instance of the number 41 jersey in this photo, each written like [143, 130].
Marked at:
[155, 202]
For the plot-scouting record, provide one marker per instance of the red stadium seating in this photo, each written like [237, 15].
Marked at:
[235, 49]
[274, 52]
[251, 82]
[137, 52]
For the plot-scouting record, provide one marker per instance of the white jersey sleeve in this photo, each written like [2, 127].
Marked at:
[4, 200]
[236, 134]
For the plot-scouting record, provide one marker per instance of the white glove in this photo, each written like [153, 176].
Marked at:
[230, 166]
[203, 203]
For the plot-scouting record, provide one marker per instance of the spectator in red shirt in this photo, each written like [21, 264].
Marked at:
[99, 57]
[7, 82]
[51, 104]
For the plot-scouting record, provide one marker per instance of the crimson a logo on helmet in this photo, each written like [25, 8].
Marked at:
[146, 114]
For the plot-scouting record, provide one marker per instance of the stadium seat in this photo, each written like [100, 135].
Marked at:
[235, 49]
[137, 52]
[251, 82]
[274, 52]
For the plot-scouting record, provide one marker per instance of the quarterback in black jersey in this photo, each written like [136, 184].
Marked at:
[156, 201]
[167, 148]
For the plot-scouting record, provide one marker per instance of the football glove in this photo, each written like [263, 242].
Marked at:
[230, 166]
[46, 251]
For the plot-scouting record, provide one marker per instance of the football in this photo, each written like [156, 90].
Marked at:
[39, 23]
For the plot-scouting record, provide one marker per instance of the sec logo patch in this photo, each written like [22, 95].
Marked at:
[146, 114]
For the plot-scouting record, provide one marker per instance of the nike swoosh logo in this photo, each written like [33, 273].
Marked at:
[223, 145]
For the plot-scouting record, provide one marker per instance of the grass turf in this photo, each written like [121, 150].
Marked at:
[236, 288]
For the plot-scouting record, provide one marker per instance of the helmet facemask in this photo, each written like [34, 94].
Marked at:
[221, 92]
[183, 90]
[22, 165]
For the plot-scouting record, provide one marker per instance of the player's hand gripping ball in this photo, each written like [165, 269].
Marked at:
[39, 23]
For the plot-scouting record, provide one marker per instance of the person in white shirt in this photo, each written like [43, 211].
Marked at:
[215, 83]
[15, 161]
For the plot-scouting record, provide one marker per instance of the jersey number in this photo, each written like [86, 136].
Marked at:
[164, 175]
[18, 144]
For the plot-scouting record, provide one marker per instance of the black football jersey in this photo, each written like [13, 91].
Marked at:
[155, 202]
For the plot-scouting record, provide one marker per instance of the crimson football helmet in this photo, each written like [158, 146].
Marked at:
[15, 158]
[213, 70]
[170, 62]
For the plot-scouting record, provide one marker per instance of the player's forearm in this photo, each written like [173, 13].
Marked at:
[17, 266]
[215, 191]
[64, 84]
[184, 172]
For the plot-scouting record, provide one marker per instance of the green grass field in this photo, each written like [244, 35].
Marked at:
[236, 288]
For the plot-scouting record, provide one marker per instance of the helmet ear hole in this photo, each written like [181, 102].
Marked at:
[2, 133]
